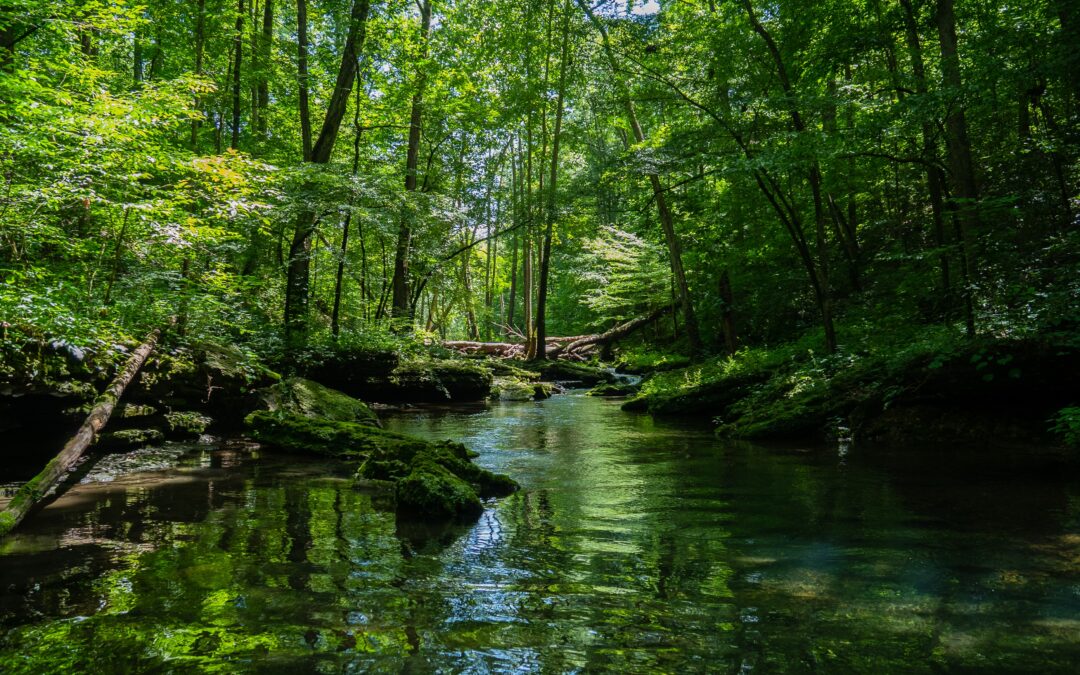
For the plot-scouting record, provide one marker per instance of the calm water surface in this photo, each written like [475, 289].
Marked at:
[636, 546]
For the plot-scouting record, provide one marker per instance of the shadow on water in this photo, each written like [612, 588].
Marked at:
[637, 545]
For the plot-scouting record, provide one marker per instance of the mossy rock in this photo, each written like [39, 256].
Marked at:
[432, 491]
[436, 480]
[421, 381]
[434, 381]
[514, 389]
[506, 368]
[186, 424]
[310, 399]
[615, 389]
[131, 411]
[128, 439]
[569, 371]
[350, 369]
[329, 438]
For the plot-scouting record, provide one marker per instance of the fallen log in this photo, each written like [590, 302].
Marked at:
[503, 349]
[35, 490]
[616, 333]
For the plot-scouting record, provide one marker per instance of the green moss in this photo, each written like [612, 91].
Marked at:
[506, 368]
[431, 479]
[132, 411]
[614, 389]
[440, 380]
[7, 522]
[569, 371]
[187, 424]
[329, 438]
[642, 360]
[310, 399]
[512, 389]
[431, 490]
[129, 439]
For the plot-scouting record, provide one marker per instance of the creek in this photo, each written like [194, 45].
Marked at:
[636, 545]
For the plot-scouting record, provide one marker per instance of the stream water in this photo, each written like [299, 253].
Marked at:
[635, 546]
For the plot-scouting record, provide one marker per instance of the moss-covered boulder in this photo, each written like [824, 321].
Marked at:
[434, 381]
[431, 490]
[431, 480]
[219, 380]
[556, 370]
[416, 381]
[516, 389]
[307, 398]
[615, 389]
[343, 440]
[349, 368]
[508, 368]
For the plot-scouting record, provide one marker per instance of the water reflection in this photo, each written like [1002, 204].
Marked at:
[637, 546]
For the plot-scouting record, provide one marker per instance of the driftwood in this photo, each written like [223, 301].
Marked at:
[34, 491]
[571, 347]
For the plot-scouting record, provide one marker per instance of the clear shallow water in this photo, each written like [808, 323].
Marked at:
[636, 546]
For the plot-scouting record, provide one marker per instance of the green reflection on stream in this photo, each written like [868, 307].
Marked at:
[637, 546]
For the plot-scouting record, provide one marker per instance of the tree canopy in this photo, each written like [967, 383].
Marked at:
[280, 173]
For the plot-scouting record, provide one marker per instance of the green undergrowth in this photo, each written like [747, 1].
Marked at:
[794, 390]
[642, 359]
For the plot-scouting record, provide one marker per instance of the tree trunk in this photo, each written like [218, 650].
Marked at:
[299, 266]
[550, 213]
[934, 176]
[618, 332]
[822, 288]
[34, 491]
[200, 44]
[137, 59]
[339, 283]
[516, 204]
[400, 281]
[961, 164]
[731, 339]
[266, 50]
[302, 77]
[238, 58]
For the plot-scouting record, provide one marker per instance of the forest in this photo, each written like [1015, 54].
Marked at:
[832, 223]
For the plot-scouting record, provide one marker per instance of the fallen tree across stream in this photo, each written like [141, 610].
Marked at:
[38, 488]
[575, 347]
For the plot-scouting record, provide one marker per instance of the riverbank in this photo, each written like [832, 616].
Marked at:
[931, 388]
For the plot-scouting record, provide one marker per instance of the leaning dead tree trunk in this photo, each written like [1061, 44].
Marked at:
[33, 492]
[616, 333]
